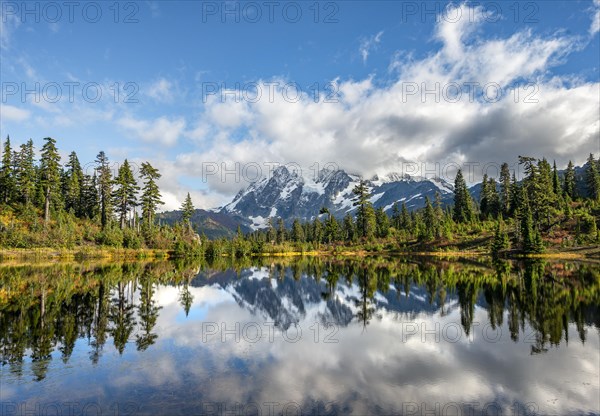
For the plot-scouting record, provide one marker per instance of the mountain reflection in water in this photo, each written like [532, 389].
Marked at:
[310, 336]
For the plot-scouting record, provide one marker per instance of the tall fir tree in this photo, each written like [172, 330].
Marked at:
[505, 189]
[557, 188]
[26, 178]
[73, 189]
[592, 178]
[125, 193]
[297, 232]
[569, 185]
[151, 197]
[187, 211]
[105, 187]
[7, 174]
[463, 210]
[50, 171]
[382, 222]
[365, 214]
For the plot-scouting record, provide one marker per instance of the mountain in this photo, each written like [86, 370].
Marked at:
[289, 196]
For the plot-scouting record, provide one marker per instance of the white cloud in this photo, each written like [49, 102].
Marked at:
[374, 129]
[162, 130]
[595, 26]
[368, 44]
[11, 113]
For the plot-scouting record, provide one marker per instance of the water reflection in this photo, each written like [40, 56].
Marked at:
[379, 335]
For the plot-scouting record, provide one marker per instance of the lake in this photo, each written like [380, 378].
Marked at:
[310, 336]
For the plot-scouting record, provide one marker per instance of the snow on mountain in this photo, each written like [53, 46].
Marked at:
[288, 195]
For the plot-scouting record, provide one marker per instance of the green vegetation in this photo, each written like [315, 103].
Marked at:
[48, 205]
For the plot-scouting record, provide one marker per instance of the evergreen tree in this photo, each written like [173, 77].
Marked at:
[500, 241]
[7, 175]
[382, 223]
[90, 199]
[73, 189]
[592, 178]
[505, 189]
[187, 210]
[49, 174]
[297, 232]
[125, 194]
[365, 214]
[493, 199]
[483, 197]
[349, 229]
[396, 216]
[463, 210]
[429, 221]
[569, 185]
[281, 232]
[27, 172]
[317, 231]
[405, 219]
[151, 197]
[556, 181]
[105, 186]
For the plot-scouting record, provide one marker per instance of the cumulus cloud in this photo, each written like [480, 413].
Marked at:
[163, 130]
[473, 100]
[11, 113]
[369, 44]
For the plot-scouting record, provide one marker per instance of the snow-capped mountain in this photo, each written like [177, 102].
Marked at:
[289, 196]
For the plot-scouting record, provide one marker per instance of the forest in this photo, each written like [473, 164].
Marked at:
[54, 203]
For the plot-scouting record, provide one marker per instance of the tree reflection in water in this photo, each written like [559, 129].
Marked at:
[47, 308]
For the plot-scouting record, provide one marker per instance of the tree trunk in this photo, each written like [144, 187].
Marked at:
[47, 205]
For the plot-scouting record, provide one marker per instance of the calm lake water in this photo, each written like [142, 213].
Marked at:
[312, 336]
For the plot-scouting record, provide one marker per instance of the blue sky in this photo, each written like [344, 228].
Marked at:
[360, 62]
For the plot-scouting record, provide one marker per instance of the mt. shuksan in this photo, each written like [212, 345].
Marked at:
[289, 196]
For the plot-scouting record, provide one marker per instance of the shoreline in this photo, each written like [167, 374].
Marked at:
[588, 253]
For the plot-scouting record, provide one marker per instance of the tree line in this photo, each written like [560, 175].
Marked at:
[514, 214]
[122, 204]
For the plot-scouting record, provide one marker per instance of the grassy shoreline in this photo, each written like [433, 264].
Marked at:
[591, 253]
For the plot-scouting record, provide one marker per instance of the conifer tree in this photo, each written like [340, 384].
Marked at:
[7, 175]
[73, 189]
[556, 181]
[592, 178]
[297, 232]
[429, 221]
[349, 229]
[569, 185]
[151, 197]
[463, 210]
[49, 174]
[382, 222]
[125, 193]
[26, 178]
[105, 186]
[505, 189]
[365, 214]
[187, 211]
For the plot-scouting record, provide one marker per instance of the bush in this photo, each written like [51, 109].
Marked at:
[131, 239]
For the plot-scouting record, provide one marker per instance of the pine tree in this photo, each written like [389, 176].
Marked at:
[429, 221]
[405, 220]
[90, 200]
[396, 216]
[281, 232]
[349, 229]
[105, 186]
[483, 197]
[297, 232]
[73, 185]
[382, 222]
[500, 241]
[125, 194]
[556, 181]
[151, 197]
[7, 174]
[187, 211]
[49, 174]
[505, 189]
[365, 214]
[592, 178]
[569, 185]
[27, 172]
[463, 210]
